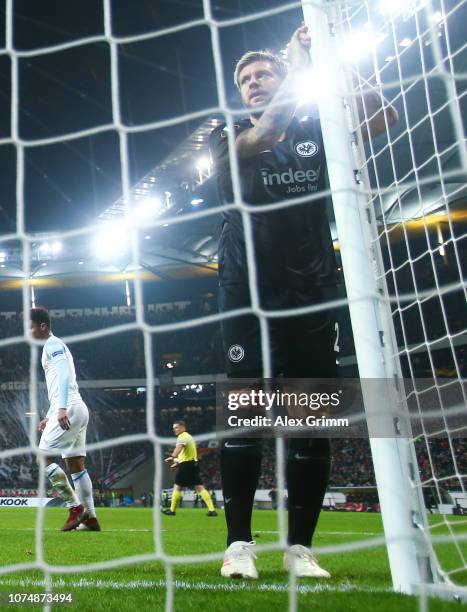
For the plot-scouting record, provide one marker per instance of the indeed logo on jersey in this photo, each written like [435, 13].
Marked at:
[294, 178]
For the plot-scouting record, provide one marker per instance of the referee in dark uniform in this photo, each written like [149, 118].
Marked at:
[279, 158]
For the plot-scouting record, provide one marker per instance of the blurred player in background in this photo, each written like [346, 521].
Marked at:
[279, 158]
[184, 458]
[64, 427]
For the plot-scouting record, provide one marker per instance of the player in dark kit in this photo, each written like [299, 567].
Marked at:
[279, 158]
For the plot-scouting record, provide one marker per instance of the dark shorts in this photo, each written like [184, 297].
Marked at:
[187, 474]
[300, 346]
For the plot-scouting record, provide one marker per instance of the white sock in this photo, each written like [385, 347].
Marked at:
[83, 486]
[58, 479]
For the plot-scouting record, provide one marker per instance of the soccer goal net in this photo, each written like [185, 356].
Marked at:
[400, 218]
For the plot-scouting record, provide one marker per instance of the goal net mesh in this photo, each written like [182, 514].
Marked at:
[415, 175]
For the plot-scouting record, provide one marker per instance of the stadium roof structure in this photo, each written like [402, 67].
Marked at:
[182, 183]
[173, 251]
[179, 184]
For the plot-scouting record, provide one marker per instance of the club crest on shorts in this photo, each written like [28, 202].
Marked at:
[236, 353]
[307, 148]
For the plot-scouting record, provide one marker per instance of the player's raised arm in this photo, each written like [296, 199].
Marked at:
[264, 81]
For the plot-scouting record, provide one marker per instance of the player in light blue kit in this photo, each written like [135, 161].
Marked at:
[64, 427]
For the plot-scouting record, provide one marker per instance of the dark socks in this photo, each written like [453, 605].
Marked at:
[240, 469]
[308, 469]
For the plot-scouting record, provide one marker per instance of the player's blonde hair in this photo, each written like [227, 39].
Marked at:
[278, 63]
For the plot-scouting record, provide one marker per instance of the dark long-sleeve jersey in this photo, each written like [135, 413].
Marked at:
[293, 246]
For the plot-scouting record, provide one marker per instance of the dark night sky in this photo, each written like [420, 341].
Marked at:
[68, 184]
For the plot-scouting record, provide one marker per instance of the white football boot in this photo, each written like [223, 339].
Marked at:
[303, 563]
[239, 561]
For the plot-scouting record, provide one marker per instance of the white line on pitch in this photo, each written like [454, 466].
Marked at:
[366, 533]
[375, 533]
[329, 532]
[198, 585]
[164, 530]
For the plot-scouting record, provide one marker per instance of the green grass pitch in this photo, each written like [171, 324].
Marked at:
[360, 579]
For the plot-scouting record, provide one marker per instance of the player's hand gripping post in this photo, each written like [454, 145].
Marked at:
[298, 49]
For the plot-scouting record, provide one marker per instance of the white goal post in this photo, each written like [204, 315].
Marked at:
[413, 563]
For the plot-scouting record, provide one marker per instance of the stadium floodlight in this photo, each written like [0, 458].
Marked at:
[360, 43]
[56, 247]
[2, 256]
[396, 8]
[197, 201]
[305, 87]
[393, 7]
[147, 209]
[47, 249]
[437, 17]
[44, 249]
[203, 164]
[405, 42]
[312, 83]
[111, 240]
